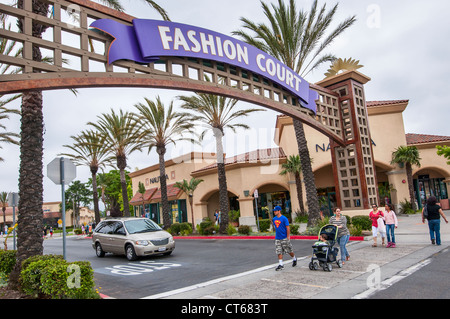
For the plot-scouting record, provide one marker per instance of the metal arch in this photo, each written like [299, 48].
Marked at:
[169, 73]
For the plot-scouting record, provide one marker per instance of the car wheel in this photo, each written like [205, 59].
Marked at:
[131, 254]
[99, 251]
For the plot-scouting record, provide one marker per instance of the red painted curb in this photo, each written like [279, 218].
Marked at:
[353, 238]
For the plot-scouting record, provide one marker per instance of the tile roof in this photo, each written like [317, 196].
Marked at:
[412, 139]
[262, 155]
[137, 198]
[383, 103]
[172, 191]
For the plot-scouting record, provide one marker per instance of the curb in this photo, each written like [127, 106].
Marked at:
[296, 237]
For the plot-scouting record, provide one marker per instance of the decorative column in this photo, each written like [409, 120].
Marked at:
[353, 165]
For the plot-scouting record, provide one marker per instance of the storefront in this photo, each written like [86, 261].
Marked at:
[260, 170]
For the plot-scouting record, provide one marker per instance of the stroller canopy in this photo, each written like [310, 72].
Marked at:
[329, 230]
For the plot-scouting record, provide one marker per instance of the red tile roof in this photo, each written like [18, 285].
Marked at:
[412, 139]
[263, 155]
[137, 198]
[172, 191]
[383, 103]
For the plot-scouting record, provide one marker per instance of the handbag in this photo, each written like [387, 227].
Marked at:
[380, 222]
[425, 212]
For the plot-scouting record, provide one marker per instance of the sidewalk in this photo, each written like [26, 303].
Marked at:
[367, 267]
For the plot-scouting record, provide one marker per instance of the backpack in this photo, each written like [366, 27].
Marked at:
[425, 211]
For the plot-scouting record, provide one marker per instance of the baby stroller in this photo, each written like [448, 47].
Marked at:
[323, 252]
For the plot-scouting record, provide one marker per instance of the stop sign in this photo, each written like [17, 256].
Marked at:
[54, 170]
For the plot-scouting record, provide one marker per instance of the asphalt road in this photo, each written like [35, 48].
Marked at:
[431, 282]
[192, 262]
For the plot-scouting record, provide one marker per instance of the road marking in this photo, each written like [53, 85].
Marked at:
[215, 281]
[392, 280]
[134, 269]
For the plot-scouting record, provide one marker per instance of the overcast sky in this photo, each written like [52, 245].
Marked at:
[403, 46]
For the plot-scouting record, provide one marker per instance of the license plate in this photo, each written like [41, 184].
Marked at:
[162, 248]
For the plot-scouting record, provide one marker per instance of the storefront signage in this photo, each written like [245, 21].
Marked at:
[324, 148]
[155, 179]
[148, 40]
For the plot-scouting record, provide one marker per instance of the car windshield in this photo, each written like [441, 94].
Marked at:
[141, 226]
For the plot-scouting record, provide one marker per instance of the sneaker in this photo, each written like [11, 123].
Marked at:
[393, 245]
[389, 244]
[279, 268]
[294, 263]
[433, 241]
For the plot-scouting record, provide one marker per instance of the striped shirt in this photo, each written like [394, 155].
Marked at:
[340, 222]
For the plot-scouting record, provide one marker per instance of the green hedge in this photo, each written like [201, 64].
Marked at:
[362, 222]
[7, 261]
[53, 277]
[182, 229]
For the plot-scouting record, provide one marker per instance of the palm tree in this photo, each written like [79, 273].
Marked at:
[115, 4]
[409, 155]
[89, 148]
[121, 138]
[160, 128]
[297, 38]
[31, 178]
[188, 188]
[294, 166]
[4, 204]
[217, 113]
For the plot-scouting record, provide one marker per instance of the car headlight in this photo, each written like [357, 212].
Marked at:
[171, 240]
[142, 242]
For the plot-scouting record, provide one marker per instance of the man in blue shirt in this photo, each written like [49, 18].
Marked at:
[282, 238]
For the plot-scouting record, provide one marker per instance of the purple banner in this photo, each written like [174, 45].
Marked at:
[148, 40]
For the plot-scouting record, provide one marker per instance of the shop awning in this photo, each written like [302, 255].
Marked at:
[172, 193]
[137, 198]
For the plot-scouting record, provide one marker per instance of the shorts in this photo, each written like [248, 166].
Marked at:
[283, 246]
[376, 230]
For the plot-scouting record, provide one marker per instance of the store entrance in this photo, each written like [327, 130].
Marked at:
[327, 200]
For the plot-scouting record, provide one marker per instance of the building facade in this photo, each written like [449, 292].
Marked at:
[351, 177]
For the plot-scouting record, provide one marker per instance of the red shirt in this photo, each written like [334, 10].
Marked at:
[374, 216]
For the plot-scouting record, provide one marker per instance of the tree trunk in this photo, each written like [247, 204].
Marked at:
[224, 202]
[312, 199]
[30, 219]
[163, 183]
[94, 170]
[122, 164]
[298, 183]
[409, 177]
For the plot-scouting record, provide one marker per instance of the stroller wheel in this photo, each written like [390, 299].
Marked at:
[339, 263]
[327, 267]
[311, 266]
[316, 266]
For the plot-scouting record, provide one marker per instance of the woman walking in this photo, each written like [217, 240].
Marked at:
[343, 233]
[391, 223]
[434, 219]
[374, 215]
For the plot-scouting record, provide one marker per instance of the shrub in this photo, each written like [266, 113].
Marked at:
[363, 222]
[294, 229]
[301, 217]
[231, 230]
[210, 230]
[182, 229]
[52, 276]
[77, 231]
[63, 280]
[32, 269]
[264, 225]
[233, 215]
[406, 207]
[244, 230]
[7, 261]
